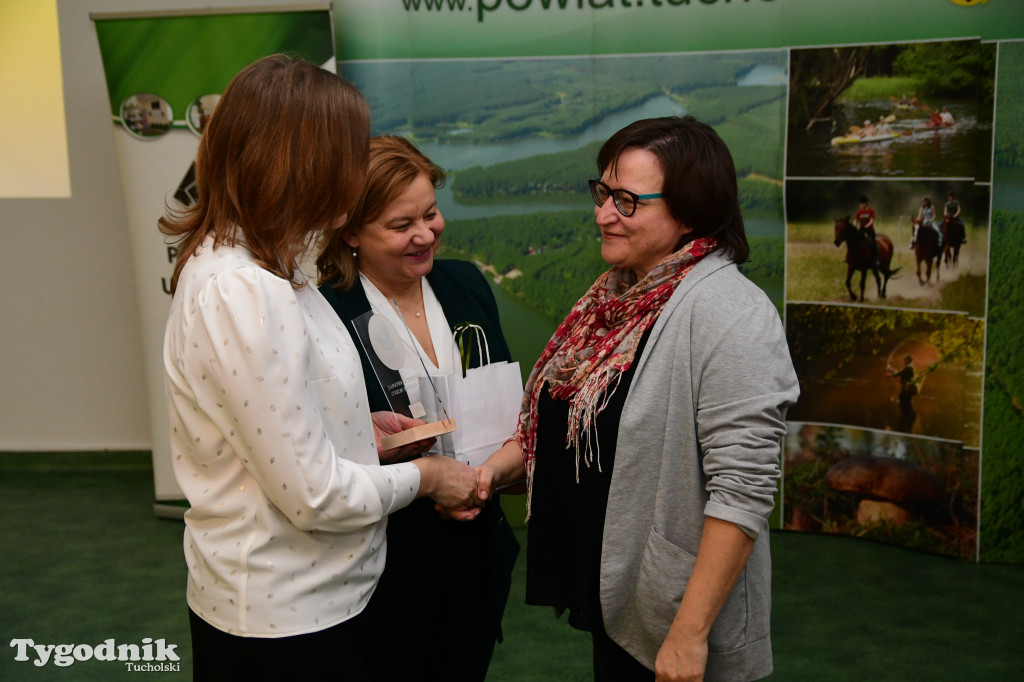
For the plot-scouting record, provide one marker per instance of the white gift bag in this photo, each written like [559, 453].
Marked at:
[484, 403]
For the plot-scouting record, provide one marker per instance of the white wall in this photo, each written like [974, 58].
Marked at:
[71, 357]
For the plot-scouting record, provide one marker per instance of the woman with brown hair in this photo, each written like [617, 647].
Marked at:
[272, 440]
[384, 253]
[651, 425]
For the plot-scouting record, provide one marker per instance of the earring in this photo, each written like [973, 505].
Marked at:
[354, 254]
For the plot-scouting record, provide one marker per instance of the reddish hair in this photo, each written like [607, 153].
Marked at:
[282, 157]
[394, 164]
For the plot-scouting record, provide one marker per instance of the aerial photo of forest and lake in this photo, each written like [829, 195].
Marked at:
[519, 137]
[1002, 515]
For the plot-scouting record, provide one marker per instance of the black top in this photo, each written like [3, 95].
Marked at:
[563, 547]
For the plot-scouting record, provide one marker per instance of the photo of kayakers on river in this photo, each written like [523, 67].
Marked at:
[904, 110]
[907, 371]
[920, 493]
[897, 243]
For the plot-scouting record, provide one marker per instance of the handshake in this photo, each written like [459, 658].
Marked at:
[502, 471]
[459, 491]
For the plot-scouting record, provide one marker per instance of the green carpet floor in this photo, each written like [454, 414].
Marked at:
[85, 560]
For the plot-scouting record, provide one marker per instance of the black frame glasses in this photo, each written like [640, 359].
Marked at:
[624, 200]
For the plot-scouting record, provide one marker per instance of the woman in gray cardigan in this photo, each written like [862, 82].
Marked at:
[651, 425]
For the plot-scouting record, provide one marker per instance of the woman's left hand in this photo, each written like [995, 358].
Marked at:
[681, 659]
[722, 554]
[388, 423]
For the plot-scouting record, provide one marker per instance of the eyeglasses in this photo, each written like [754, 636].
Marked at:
[624, 200]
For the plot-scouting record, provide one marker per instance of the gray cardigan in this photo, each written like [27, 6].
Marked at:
[699, 436]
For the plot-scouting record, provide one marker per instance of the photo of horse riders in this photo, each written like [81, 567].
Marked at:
[847, 241]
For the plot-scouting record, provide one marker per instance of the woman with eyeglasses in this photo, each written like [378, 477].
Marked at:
[651, 425]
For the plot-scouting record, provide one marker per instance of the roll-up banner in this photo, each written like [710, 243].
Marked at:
[823, 103]
[165, 73]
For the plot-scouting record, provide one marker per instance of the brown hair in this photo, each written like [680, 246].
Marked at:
[700, 178]
[394, 164]
[282, 157]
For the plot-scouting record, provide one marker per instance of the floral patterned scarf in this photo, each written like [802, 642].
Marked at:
[594, 345]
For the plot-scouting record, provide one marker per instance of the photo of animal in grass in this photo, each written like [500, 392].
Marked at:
[875, 242]
[919, 493]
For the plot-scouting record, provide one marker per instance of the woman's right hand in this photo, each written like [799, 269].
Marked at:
[503, 471]
[450, 483]
[389, 423]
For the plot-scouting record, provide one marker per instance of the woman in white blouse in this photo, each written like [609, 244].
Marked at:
[272, 439]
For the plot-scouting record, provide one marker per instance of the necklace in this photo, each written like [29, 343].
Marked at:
[417, 313]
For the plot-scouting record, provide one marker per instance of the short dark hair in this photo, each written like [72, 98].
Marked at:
[283, 156]
[863, 199]
[700, 178]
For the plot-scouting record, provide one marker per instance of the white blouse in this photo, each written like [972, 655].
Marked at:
[273, 446]
[440, 335]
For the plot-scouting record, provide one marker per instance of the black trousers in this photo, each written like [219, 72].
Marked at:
[342, 652]
[444, 589]
[612, 663]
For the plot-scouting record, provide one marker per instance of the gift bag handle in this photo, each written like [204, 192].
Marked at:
[484, 350]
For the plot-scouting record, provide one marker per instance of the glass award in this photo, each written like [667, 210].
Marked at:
[383, 347]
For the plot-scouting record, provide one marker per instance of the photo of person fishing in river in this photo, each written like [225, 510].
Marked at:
[853, 369]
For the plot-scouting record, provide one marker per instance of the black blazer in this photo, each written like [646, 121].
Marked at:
[416, 533]
[464, 296]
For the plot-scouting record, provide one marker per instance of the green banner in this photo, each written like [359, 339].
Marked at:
[823, 103]
[402, 29]
[182, 57]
